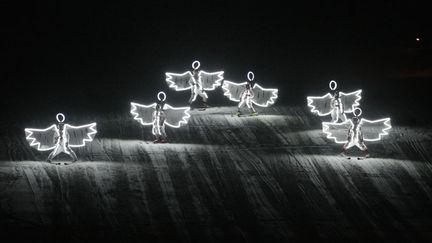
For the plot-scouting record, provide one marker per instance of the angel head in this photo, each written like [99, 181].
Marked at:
[161, 96]
[251, 77]
[333, 89]
[60, 119]
[356, 118]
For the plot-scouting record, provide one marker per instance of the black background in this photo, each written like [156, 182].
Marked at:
[93, 57]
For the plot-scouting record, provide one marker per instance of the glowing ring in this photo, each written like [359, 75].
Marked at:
[196, 65]
[334, 86]
[250, 76]
[359, 110]
[164, 96]
[60, 115]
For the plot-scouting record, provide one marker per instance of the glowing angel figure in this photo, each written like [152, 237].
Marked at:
[355, 131]
[61, 137]
[247, 94]
[335, 103]
[160, 114]
[197, 81]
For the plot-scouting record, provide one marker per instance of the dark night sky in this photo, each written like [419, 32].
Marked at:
[89, 54]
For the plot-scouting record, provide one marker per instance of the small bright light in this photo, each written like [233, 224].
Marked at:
[418, 39]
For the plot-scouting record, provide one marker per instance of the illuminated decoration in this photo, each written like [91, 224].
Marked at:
[160, 114]
[335, 104]
[259, 96]
[197, 81]
[355, 131]
[60, 137]
[163, 95]
[196, 64]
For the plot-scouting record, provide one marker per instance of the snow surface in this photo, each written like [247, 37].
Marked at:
[273, 177]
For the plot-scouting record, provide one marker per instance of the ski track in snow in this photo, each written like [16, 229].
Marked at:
[273, 177]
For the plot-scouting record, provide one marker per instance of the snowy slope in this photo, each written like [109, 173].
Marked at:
[272, 177]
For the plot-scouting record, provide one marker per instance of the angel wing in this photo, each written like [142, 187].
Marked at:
[233, 90]
[264, 97]
[209, 81]
[176, 116]
[374, 130]
[79, 135]
[350, 100]
[337, 132]
[143, 113]
[321, 105]
[42, 139]
[179, 81]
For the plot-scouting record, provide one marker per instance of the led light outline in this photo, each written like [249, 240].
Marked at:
[326, 126]
[330, 85]
[227, 92]
[269, 102]
[217, 82]
[194, 62]
[184, 119]
[383, 132]
[34, 142]
[250, 73]
[60, 114]
[161, 92]
[91, 126]
[313, 109]
[172, 84]
[357, 109]
[135, 114]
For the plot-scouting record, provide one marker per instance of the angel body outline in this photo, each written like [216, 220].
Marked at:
[335, 103]
[58, 138]
[249, 93]
[197, 81]
[158, 115]
[356, 131]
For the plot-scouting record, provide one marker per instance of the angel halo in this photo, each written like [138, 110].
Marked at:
[60, 117]
[196, 64]
[333, 85]
[61, 137]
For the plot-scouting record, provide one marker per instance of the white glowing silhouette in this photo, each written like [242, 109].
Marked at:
[354, 131]
[160, 114]
[197, 81]
[335, 104]
[60, 137]
[246, 94]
